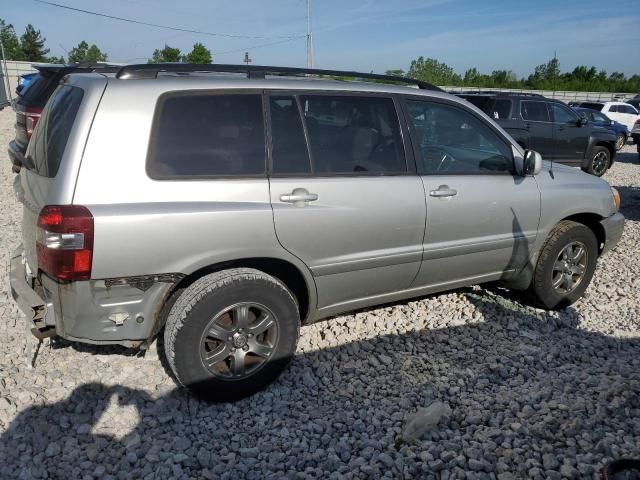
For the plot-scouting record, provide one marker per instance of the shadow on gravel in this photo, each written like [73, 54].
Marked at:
[627, 157]
[630, 202]
[521, 385]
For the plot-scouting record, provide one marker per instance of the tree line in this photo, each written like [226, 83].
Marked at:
[30, 47]
[546, 76]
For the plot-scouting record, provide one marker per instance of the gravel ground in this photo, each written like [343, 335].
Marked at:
[531, 394]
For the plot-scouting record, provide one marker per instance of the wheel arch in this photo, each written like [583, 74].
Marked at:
[592, 221]
[302, 286]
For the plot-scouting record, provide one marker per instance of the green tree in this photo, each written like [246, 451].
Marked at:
[55, 59]
[32, 44]
[10, 42]
[432, 71]
[199, 54]
[472, 77]
[83, 53]
[166, 55]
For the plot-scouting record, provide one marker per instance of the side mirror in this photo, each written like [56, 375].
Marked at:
[582, 121]
[611, 122]
[532, 163]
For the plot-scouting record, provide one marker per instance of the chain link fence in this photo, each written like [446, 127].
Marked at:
[566, 96]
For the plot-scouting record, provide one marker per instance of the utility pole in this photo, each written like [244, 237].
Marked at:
[247, 60]
[309, 37]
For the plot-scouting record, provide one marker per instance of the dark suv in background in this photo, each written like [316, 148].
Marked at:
[549, 127]
[31, 102]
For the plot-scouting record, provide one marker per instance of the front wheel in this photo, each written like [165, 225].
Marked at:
[599, 162]
[621, 139]
[565, 266]
[231, 333]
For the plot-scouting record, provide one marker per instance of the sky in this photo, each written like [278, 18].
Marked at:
[365, 35]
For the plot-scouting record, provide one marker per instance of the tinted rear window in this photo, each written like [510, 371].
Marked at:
[52, 131]
[40, 89]
[593, 106]
[206, 135]
[483, 103]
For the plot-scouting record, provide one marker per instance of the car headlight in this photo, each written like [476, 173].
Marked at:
[616, 198]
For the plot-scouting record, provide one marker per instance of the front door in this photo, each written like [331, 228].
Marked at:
[482, 218]
[570, 137]
[343, 200]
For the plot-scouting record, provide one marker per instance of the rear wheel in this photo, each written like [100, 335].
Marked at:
[565, 266]
[231, 333]
[599, 162]
[621, 139]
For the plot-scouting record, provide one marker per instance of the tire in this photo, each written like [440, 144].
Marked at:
[543, 287]
[599, 162]
[221, 303]
[621, 140]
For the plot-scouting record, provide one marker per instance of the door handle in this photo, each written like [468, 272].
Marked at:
[299, 197]
[443, 191]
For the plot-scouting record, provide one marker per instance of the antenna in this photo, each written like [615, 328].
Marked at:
[309, 37]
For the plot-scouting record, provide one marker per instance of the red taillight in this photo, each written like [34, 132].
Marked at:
[65, 242]
[32, 116]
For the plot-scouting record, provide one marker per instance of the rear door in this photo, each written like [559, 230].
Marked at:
[537, 121]
[570, 138]
[482, 218]
[343, 199]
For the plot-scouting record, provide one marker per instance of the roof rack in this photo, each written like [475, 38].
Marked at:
[151, 70]
[494, 92]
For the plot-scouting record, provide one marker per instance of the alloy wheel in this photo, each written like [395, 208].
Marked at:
[239, 341]
[569, 268]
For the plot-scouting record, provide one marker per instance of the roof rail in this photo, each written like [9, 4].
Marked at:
[151, 70]
[493, 92]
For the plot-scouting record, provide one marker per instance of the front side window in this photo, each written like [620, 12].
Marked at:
[451, 140]
[599, 117]
[613, 108]
[535, 111]
[351, 134]
[562, 114]
[202, 135]
[50, 137]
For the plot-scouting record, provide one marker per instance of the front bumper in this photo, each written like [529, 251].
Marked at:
[613, 228]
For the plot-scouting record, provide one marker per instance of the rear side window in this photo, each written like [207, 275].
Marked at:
[288, 145]
[501, 109]
[535, 111]
[613, 108]
[205, 135]
[49, 141]
[351, 134]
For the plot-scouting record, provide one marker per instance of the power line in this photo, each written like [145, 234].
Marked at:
[260, 45]
[166, 27]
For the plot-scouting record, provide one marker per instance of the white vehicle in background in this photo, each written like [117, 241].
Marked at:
[619, 111]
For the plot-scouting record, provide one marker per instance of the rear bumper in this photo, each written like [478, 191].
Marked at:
[16, 155]
[32, 305]
[613, 228]
[94, 311]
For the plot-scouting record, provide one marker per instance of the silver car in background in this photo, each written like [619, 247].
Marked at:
[228, 205]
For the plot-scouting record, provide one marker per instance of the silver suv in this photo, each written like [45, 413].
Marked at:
[226, 205]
